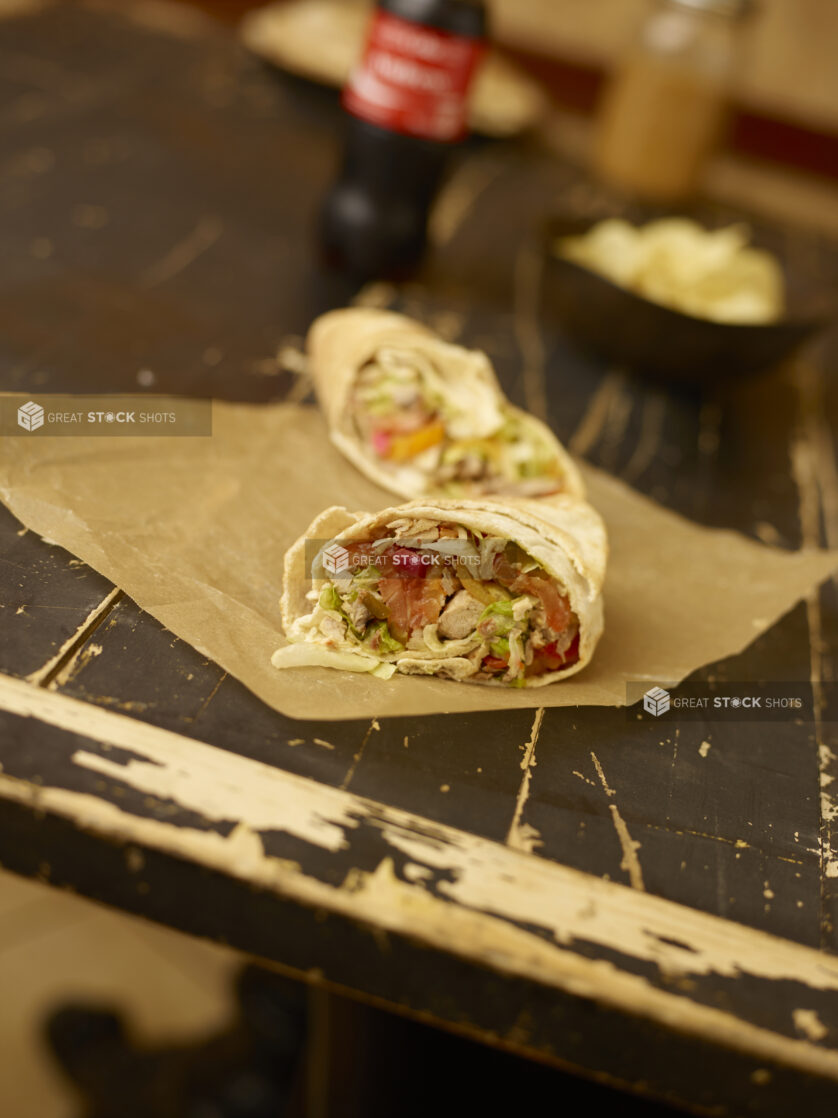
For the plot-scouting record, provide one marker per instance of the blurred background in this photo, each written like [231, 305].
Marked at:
[755, 81]
[784, 86]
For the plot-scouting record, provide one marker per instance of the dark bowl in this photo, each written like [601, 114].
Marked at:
[663, 343]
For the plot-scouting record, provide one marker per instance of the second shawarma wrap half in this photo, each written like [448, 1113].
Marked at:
[420, 416]
[489, 591]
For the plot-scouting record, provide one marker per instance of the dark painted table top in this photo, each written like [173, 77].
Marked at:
[156, 200]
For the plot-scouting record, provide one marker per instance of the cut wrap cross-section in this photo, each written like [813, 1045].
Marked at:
[494, 592]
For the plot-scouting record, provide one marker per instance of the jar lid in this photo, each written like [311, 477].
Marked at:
[733, 8]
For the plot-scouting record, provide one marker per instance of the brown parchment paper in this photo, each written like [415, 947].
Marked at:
[195, 529]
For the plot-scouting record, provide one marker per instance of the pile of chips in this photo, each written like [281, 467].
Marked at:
[712, 274]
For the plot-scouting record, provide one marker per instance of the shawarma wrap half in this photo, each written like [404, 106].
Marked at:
[422, 417]
[505, 593]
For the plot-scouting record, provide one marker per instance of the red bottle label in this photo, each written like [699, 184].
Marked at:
[413, 79]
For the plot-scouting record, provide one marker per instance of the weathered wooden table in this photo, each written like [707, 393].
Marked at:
[652, 905]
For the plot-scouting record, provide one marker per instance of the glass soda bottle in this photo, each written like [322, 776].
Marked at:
[407, 107]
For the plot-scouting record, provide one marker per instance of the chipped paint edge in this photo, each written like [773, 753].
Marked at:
[450, 924]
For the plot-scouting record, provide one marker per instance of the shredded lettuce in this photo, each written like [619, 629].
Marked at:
[522, 606]
[386, 642]
[501, 616]
[498, 609]
[500, 648]
[516, 653]
[468, 448]
[330, 599]
[332, 603]
[506, 620]
[522, 559]
[392, 382]
[383, 671]
[366, 576]
[489, 548]
[380, 405]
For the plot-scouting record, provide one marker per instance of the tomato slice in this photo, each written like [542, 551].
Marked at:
[494, 664]
[556, 606]
[412, 603]
[548, 659]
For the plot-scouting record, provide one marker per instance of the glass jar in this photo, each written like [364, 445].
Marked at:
[663, 109]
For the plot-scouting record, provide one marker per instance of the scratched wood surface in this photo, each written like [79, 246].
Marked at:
[156, 200]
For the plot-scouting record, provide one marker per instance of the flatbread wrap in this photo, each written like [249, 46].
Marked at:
[502, 593]
[420, 416]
